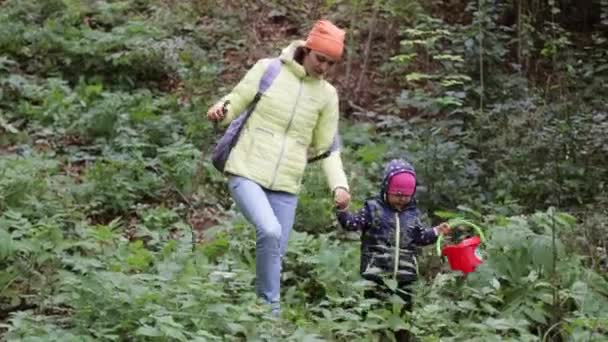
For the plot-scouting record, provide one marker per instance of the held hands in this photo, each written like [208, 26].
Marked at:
[341, 198]
[443, 229]
[217, 112]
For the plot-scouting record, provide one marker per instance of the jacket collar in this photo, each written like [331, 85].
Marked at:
[287, 57]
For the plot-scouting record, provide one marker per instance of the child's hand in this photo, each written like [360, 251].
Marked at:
[443, 229]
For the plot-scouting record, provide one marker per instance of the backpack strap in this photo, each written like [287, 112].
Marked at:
[335, 146]
[271, 72]
[222, 149]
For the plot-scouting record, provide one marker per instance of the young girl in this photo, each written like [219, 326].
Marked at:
[391, 230]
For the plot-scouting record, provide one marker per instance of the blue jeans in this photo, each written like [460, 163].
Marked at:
[272, 213]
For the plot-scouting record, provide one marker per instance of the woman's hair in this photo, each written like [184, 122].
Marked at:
[300, 53]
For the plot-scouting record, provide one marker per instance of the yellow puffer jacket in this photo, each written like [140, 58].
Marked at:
[296, 115]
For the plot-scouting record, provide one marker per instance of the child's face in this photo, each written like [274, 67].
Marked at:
[398, 201]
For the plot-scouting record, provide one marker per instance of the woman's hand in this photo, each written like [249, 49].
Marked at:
[443, 229]
[217, 112]
[341, 198]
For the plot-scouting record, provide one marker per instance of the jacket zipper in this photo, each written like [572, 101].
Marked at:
[397, 247]
[293, 114]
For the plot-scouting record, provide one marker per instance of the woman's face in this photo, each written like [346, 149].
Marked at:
[398, 201]
[317, 64]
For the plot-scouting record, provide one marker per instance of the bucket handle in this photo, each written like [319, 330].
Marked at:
[459, 222]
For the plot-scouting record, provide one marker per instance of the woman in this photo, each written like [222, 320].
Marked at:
[265, 168]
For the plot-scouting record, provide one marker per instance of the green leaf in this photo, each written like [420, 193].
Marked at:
[395, 323]
[495, 284]
[537, 315]
[445, 214]
[468, 306]
[391, 284]
[236, 328]
[470, 211]
[7, 126]
[542, 252]
[148, 331]
[416, 76]
[172, 332]
[404, 58]
[6, 245]
[371, 153]
[499, 324]
[451, 58]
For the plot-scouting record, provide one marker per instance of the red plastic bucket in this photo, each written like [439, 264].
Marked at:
[463, 256]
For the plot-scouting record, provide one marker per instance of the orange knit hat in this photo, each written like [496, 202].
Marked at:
[326, 38]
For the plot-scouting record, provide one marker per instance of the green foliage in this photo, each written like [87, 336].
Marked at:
[104, 161]
[115, 186]
[438, 82]
[22, 179]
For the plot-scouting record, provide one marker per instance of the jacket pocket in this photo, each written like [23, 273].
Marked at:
[263, 148]
[264, 132]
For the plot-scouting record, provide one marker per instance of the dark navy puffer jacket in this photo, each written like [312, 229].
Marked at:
[389, 237]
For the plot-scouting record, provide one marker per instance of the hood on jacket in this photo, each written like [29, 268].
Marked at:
[287, 57]
[392, 168]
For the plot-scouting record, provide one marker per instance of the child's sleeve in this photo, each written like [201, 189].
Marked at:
[355, 222]
[421, 234]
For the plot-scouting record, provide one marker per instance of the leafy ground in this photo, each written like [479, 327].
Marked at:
[114, 226]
